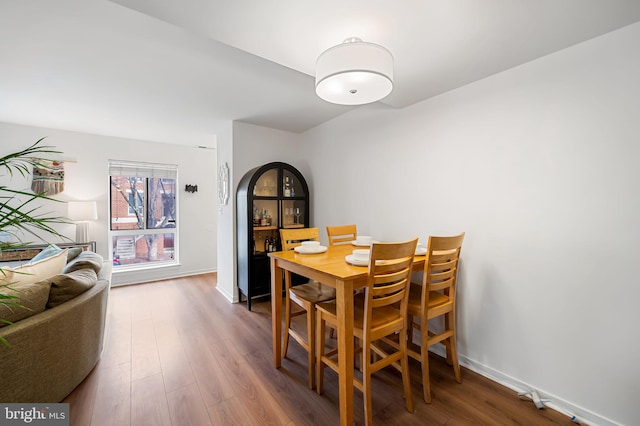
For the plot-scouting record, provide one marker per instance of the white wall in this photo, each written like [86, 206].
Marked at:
[254, 146]
[539, 166]
[87, 179]
[226, 219]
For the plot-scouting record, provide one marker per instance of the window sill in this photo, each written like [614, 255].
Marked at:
[144, 267]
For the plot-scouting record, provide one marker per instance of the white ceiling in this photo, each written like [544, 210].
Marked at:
[174, 71]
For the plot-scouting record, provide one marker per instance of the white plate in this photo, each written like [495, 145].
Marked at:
[302, 250]
[421, 251]
[357, 244]
[350, 259]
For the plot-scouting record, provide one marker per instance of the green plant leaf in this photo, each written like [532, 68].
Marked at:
[22, 210]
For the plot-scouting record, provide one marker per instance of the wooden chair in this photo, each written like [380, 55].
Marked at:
[380, 311]
[305, 296]
[341, 234]
[436, 297]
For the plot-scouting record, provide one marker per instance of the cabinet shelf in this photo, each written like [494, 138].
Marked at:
[265, 228]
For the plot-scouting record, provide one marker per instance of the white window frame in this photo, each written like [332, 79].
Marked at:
[145, 170]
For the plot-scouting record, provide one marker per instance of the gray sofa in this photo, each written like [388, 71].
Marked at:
[53, 351]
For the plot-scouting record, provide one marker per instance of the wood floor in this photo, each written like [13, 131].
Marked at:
[177, 353]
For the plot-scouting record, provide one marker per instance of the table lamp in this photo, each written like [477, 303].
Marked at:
[81, 212]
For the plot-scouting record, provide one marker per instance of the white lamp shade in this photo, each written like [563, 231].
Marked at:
[354, 73]
[82, 210]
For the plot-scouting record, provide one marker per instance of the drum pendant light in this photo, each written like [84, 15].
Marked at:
[354, 73]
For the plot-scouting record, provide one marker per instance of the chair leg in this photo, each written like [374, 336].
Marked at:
[287, 324]
[311, 339]
[424, 355]
[409, 329]
[406, 378]
[366, 383]
[374, 356]
[446, 342]
[320, 342]
[454, 360]
[447, 352]
[452, 347]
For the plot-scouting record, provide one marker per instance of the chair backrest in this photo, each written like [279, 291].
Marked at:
[292, 238]
[389, 278]
[441, 266]
[341, 234]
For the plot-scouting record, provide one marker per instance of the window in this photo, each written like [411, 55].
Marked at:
[143, 213]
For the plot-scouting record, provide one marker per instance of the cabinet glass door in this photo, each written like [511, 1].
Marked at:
[267, 184]
[265, 214]
[265, 226]
[293, 214]
[291, 185]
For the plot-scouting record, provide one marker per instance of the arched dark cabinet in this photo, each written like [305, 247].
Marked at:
[269, 198]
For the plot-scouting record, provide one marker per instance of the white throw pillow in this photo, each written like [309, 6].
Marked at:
[40, 270]
[50, 250]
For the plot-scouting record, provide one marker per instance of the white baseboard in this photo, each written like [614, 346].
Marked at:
[576, 413]
[141, 276]
[226, 294]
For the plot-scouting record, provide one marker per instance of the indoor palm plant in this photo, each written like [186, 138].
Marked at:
[20, 211]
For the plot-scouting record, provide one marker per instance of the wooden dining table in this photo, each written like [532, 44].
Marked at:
[332, 269]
